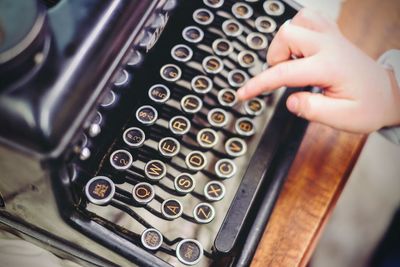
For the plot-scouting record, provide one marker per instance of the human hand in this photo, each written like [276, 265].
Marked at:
[359, 95]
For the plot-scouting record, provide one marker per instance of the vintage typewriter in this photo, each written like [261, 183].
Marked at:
[123, 142]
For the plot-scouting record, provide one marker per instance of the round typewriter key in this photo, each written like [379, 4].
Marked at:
[122, 78]
[170, 72]
[254, 106]
[155, 170]
[203, 213]
[193, 34]
[273, 7]
[151, 239]
[235, 147]
[191, 104]
[227, 97]
[179, 125]
[94, 130]
[257, 41]
[207, 138]
[108, 99]
[217, 117]
[214, 191]
[171, 209]
[146, 115]
[203, 16]
[196, 160]
[134, 137]
[242, 10]
[222, 47]
[212, 65]
[85, 153]
[121, 159]
[225, 168]
[265, 24]
[237, 78]
[213, 3]
[201, 84]
[169, 147]
[182, 53]
[184, 183]
[99, 190]
[159, 93]
[247, 59]
[245, 127]
[232, 28]
[135, 58]
[143, 193]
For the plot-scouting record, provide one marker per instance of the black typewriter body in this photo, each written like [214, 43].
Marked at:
[123, 142]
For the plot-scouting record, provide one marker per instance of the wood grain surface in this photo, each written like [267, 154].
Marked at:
[326, 156]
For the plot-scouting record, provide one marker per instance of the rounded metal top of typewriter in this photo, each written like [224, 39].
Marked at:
[274, 7]
[213, 3]
[191, 104]
[179, 125]
[146, 115]
[222, 47]
[204, 212]
[235, 147]
[207, 138]
[121, 159]
[201, 84]
[143, 193]
[203, 16]
[122, 78]
[169, 147]
[155, 169]
[108, 99]
[252, 1]
[257, 41]
[227, 97]
[217, 117]
[171, 208]
[212, 64]
[134, 137]
[214, 191]
[135, 58]
[245, 127]
[254, 106]
[100, 190]
[189, 251]
[159, 93]
[242, 10]
[265, 24]
[184, 183]
[151, 239]
[196, 160]
[232, 28]
[247, 59]
[193, 34]
[170, 72]
[181, 53]
[225, 168]
[237, 78]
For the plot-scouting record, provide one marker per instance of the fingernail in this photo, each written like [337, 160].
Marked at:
[293, 104]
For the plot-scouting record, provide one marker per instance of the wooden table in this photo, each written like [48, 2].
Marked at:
[326, 156]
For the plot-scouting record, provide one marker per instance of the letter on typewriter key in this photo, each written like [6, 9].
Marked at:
[265, 24]
[143, 193]
[227, 97]
[247, 59]
[207, 138]
[245, 127]
[155, 170]
[222, 47]
[232, 28]
[201, 84]
[134, 137]
[212, 65]
[147, 115]
[237, 78]
[257, 41]
[217, 117]
[191, 104]
[99, 190]
[235, 147]
[203, 213]
[214, 191]
[121, 159]
[242, 10]
[196, 161]
[179, 125]
[184, 183]
[182, 53]
[171, 209]
[193, 34]
[189, 251]
[225, 168]
[254, 106]
[273, 7]
[203, 16]
[151, 239]
[170, 72]
[169, 147]
[159, 93]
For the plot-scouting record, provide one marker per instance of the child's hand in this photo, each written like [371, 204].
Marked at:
[359, 94]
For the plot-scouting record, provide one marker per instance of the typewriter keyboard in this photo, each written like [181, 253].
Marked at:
[171, 174]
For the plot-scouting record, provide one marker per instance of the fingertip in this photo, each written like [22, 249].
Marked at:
[292, 103]
[242, 93]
